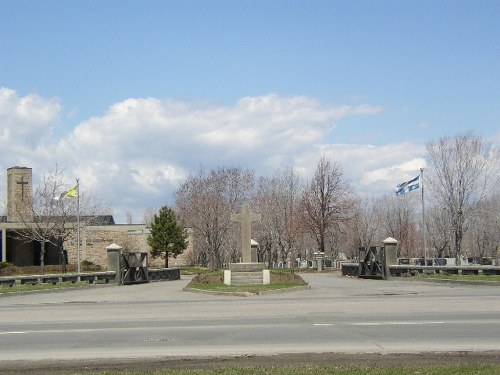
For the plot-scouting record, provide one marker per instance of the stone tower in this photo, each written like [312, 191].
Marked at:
[19, 188]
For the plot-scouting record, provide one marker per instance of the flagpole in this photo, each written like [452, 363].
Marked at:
[423, 216]
[78, 225]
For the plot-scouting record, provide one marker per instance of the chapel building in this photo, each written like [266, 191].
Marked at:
[98, 233]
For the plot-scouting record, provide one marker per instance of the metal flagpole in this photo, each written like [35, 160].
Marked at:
[78, 225]
[423, 215]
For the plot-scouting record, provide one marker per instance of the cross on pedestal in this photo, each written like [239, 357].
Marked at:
[22, 183]
[245, 217]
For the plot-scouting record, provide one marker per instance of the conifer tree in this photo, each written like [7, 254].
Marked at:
[167, 237]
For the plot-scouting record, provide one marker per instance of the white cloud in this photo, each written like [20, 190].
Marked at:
[370, 169]
[137, 153]
[27, 123]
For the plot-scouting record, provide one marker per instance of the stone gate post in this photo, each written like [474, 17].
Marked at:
[390, 255]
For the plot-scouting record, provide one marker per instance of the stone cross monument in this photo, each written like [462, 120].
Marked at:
[245, 217]
[247, 272]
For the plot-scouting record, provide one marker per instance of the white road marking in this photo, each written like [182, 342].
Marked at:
[394, 323]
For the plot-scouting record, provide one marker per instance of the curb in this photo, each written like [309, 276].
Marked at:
[246, 294]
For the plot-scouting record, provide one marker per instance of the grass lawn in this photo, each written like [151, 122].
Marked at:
[462, 277]
[324, 370]
[18, 288]
[214, 281]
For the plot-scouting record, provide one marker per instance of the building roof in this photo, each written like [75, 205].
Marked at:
[91, 220]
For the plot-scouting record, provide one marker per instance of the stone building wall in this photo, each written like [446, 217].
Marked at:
[131, 237]
[19, 191]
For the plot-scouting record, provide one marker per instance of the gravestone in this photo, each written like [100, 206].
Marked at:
[249, 271]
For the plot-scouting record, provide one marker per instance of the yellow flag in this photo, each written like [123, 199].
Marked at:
[71, 193]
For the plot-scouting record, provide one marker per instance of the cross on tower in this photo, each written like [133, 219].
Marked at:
[22, 183]
[245, 217]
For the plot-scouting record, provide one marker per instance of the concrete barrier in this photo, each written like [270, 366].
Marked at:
[163, 274]
[7, 281]
[352, 269]
[90, 277]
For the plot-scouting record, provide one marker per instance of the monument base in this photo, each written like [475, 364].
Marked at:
[247, 267]
[247, 274]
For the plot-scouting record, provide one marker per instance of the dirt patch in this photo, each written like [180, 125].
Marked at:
[206, 278]
[287, 278]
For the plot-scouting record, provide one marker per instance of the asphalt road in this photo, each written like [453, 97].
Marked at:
[337, 315]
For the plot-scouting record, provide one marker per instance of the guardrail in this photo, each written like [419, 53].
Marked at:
[107, 277]
[406, 270]
[352, 269]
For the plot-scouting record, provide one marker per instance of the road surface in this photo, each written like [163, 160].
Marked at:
[337, 315]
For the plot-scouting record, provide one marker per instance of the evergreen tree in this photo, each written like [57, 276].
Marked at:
[167, 236]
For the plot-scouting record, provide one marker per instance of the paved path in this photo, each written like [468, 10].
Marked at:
[339, 315]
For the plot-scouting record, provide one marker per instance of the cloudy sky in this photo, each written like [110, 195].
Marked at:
[132, 96]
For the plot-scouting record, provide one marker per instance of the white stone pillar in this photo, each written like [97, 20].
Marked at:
[4, 245]
[227, 277]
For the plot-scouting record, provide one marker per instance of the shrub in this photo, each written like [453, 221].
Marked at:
[89, 266]
[5, 265]
[8, 269]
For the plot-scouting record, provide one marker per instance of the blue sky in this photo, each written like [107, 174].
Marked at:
[134, 95]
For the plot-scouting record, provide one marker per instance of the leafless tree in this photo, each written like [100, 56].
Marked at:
[401, 223]
[366, 223]
[205, 202]
[149, 214]
[461, 168]
[265, 229]
[326, 202]
[485, 228]
[278, 200]
[439, 231]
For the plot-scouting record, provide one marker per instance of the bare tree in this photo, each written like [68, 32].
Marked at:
[461, 168]
[278, 200]
[266, 227]
[38, 213]
[129, 219]
[400, 222]
[366, 223]
[485, 228]
[149, 215]
[326, 202]
[205, 202]
[439, 231]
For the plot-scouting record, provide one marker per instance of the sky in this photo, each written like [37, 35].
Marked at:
[132, 96]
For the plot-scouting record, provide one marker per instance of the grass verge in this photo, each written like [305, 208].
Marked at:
[30, 288]
[495, 278]
[324, 370]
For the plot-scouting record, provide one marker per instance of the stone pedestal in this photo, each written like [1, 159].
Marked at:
[320, 259]
[247, 274]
